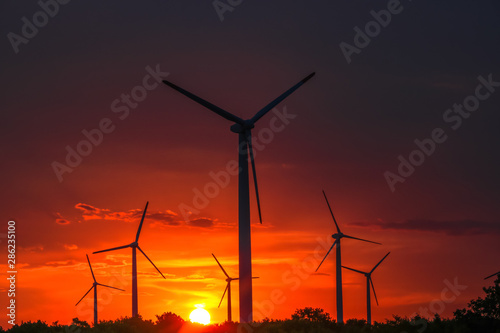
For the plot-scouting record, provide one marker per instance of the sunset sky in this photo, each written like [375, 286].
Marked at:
[340, 132]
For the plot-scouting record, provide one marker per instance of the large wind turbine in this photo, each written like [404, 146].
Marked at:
[135, 246]
[243, 128]
[368, 283]
[94, 286]
[228, 289]
[492, 275]
[338, 236]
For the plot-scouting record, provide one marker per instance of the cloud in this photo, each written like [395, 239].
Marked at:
[452, 227]
[32, 249]
[70, 247]
[155, 219]
[61, 263]
[202, 222]
[60, 220]
[90, 212]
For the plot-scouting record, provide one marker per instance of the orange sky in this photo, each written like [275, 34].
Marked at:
[53, 273]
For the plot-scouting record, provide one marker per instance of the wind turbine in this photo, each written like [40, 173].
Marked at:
[338, 236]
[228, 289]
[94, 286]
[492, 275]
[135, 246]
[244, 130]
[369, 282]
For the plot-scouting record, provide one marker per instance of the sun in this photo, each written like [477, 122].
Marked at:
[200, 315]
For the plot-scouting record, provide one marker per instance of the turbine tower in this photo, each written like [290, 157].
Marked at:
[228, 289]
[368, 283]
[492, 275]
[244, 130]
[135, 246]
[94, 286]
[338, 236]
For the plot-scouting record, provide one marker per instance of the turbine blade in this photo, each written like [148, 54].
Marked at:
[221, 266]
[330, 208]
[326, 255]
[224, 294]
[142, 220]
[84, 295]
[91, 271]
[255, 277]
[373, 288]
[112, 249]
[497, 273]
[284, 95]
[252, 160]
[361, 239]
[109, 286]
[150, 261]
[379, 262]
[208, 105]
[355, 270]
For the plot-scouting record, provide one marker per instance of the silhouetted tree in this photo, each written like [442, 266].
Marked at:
[80, 323]
[488, 307]
[31, 327]
[311, 314]
[169, 322]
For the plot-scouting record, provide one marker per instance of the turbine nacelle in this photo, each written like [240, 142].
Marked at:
[337, 236]
[240, 128]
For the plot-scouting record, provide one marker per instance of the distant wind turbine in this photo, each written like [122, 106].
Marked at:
[244, 130]
[369, 282]
[94, 286]
[338, 236]
[228, 289]
[492, 275]
[135, 246]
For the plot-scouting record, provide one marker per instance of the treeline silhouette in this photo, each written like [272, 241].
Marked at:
[482, 315]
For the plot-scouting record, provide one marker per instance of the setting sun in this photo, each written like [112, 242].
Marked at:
[200, 315]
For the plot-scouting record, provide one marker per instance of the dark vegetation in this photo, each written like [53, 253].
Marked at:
[482, 315]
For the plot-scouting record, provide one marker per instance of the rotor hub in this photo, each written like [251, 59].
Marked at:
[240, 128]
[337, 235]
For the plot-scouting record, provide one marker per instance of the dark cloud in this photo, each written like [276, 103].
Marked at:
[156, 219]
[90, 212]
[457, 227]
[86, 208]
[202, 223]
[62, 221]
[61, 263]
